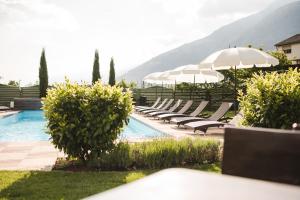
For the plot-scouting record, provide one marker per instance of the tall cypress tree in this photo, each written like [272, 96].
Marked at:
[43, 75]
[96, 71]
[112, 76]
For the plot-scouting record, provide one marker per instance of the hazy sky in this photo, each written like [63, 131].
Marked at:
[132, 31]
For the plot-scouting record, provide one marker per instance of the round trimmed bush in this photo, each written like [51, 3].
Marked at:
[272, 100]
[84, 121]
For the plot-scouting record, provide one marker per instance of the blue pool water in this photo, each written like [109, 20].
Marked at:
[31, 125]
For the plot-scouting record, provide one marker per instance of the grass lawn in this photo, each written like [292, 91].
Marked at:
[67, 185]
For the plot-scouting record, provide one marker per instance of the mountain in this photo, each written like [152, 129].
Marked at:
[264, 29]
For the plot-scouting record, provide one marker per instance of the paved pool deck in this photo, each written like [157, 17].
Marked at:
[28, 155]
[39, 155]
[8, 113]
[179, 133]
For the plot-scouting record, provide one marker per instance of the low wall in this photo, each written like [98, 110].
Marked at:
[27, 103]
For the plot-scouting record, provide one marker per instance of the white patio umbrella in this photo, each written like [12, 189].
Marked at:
[238, 58]
[152, 78]
[189, 69]
[193, 74]
[157, 78]
[187, 74]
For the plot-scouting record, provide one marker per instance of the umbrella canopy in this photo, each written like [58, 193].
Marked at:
[239, 57]
[195, 69]
[156, 78]
[179, 70]
[190, 69]
[199, 78]
[191, 74]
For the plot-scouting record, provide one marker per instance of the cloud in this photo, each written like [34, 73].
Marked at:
[179, 6]
[36, 14]
[132, 31]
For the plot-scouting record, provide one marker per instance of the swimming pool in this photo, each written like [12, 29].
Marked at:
[31, 125]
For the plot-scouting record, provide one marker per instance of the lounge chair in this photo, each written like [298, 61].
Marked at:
[204, 125]
[4, 108]
[153, 106]
[197, 111]
[172, 109]
[224, 107]
[158, 107]
[162, 109]
[185, 108]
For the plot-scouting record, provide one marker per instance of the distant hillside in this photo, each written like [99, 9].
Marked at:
[263, 29]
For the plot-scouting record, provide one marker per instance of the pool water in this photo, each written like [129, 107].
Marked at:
[31, 126]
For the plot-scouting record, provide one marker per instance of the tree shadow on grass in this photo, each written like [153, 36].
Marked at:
[36, 185]
[61, 185]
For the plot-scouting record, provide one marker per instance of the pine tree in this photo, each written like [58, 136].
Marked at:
[112, 78]
[96, 70]
[43, 75]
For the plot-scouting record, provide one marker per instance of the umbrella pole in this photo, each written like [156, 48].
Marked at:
[156, 92]
[175, 89]
[162, 87]
[235, 91]
[193, 87]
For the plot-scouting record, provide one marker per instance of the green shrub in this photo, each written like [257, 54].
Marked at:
[272, 100]
[84, 121]
[160, 154]
[118, 158]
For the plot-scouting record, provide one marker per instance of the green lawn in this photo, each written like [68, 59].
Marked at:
[67, 185]
[60, 184]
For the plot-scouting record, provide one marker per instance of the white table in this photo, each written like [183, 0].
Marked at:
[175, 184]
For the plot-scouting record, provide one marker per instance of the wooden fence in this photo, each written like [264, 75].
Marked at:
[8, 93]
[214, 95]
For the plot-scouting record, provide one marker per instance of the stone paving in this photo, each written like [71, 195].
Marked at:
[7, 113]
[28, 155]
[39, 155]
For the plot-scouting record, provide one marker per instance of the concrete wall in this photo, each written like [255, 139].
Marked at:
[27, 103]
[294, 55]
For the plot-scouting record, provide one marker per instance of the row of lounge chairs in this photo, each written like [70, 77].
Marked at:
[164, 111]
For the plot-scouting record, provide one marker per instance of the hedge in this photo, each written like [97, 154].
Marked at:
[272, 100]
[85, 121]
[159, 154]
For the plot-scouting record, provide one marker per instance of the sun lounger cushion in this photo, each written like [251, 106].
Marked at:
[184, 120]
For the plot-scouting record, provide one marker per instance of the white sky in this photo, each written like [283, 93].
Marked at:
[132, 31]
